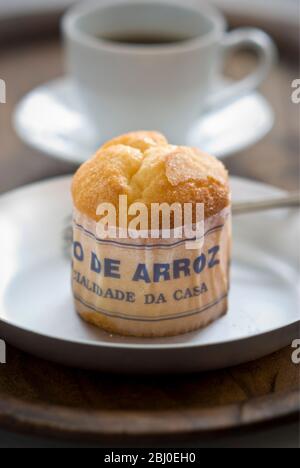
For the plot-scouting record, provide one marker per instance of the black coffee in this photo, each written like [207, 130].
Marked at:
[144, 39]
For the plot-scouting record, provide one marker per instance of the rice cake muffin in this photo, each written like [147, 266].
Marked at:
[151, 287]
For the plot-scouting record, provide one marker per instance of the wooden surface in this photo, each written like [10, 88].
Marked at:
[47, 399]
[43, 398]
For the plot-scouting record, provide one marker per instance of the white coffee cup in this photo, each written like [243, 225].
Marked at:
[124, 86]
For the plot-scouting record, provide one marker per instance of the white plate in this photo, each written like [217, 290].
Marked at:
[37, 314]
[50, 120]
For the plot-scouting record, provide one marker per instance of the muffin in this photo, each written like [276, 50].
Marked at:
[150, 287]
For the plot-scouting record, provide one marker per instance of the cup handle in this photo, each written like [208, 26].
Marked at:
[266, 51]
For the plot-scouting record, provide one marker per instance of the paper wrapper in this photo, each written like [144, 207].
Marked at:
[115, 286]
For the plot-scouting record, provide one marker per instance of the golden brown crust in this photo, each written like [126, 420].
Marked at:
[143, 166]
[140, 140]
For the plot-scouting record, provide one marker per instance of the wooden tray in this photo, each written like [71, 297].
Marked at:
[46, 399]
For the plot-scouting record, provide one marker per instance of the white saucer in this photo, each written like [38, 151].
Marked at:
[37, 314]
[49, 119]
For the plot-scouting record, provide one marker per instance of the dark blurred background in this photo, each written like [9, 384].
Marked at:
[31, 53]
